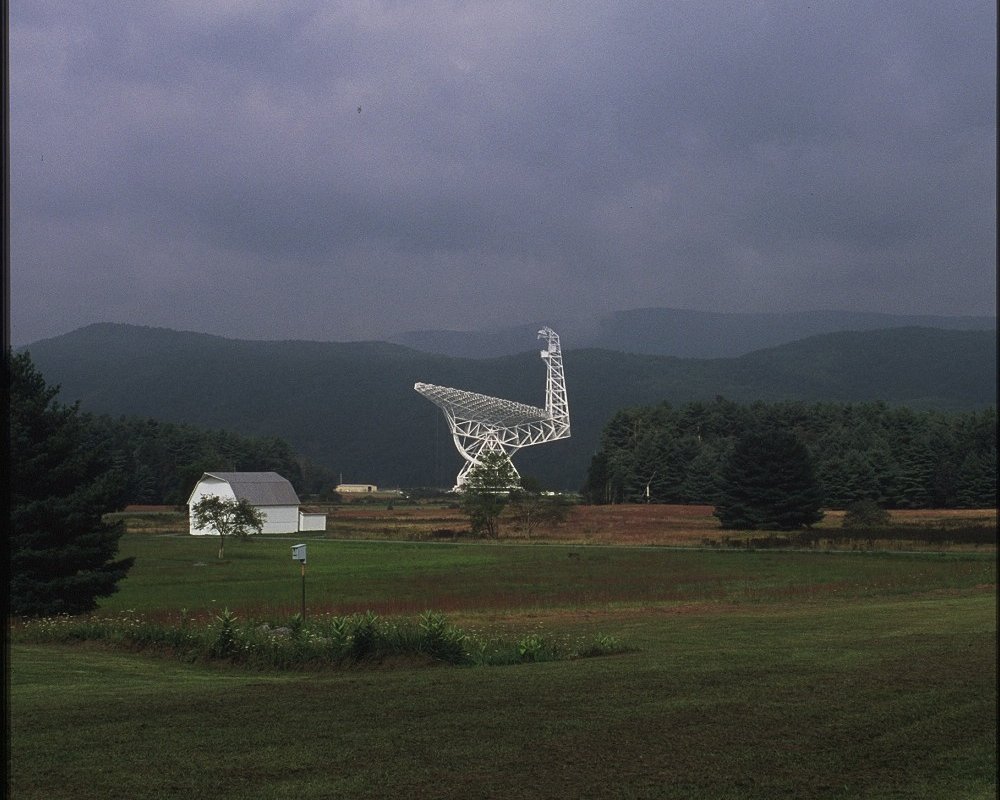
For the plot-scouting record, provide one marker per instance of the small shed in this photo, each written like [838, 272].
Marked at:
[311, 520]
[266, 491]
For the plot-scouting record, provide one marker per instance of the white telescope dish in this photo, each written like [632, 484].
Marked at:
[482, 424]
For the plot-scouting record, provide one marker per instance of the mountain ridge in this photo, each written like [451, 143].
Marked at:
[351, 406]
[680, 332]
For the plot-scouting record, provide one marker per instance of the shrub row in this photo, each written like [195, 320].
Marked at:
[965, 534]
[968, 534]
[326, 641]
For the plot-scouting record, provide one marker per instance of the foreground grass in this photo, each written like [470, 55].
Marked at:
[751, 675]
[891, 699]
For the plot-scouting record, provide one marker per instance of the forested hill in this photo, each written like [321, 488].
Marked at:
[351, 406]
[679, 332]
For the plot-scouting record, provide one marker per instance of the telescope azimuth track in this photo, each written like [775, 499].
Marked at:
[481, 424]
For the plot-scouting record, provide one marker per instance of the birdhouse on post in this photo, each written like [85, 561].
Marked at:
[299, 554]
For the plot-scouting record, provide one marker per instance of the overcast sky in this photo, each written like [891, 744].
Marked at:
[345, 170]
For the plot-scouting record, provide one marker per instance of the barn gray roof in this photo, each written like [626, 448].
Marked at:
[259, 488]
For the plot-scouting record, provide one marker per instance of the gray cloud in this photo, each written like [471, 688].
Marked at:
[351, 170]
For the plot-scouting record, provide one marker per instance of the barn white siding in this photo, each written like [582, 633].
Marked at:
[208, 485]
[280, 519]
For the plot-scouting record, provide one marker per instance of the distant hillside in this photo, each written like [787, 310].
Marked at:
[676, 332]
[352, 408]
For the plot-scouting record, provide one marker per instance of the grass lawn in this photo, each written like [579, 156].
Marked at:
[751, 675]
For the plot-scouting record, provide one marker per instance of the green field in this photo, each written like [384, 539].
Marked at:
[750, 674]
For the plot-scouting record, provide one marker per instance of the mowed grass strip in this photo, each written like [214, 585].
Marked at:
[259, 578]
[863, 697]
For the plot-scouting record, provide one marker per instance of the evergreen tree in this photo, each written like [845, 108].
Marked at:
[61, 552]
[978, 480]
[606, 477]
[648, 478]
[847, 479]
[599, 488]
[916, 485]
[769, 483]
[701, 484]
[675, 465]
[888, 475]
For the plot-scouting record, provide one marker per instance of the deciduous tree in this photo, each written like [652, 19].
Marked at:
[531, 507]
[227, 517]
[866, 514]
[486, 492]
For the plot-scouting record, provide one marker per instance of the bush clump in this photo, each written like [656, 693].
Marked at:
[865, 514]
[325, 641]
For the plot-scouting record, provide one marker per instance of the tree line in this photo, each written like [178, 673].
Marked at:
[159, 463]
[894, 456]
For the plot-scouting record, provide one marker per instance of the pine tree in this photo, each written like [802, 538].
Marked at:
[701, 484]
[918, 463]
[848, 479]
[604, 482]
[60, 549]
[978, 480]
[769, 483]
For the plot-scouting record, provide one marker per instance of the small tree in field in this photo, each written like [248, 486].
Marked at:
[228, 517]
[533, 508]
[865, 514]
[486, 492]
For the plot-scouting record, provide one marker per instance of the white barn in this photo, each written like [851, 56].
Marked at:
[266, 491]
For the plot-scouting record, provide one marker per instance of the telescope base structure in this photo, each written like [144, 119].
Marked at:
[481, 424]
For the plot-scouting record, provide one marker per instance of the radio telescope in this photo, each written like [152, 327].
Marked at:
[482, 424]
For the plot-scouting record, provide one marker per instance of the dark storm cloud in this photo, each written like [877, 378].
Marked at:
[354, 169]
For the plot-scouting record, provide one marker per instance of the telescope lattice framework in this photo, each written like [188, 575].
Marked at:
[482, 424]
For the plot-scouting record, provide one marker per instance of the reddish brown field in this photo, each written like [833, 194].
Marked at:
[638, 525]
[619, 524]
[641, 525]
[664, 525]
